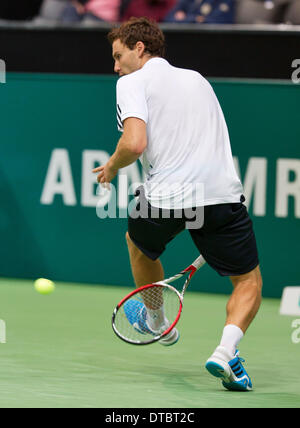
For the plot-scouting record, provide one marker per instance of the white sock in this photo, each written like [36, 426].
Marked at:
[156, 318]
[232, 335]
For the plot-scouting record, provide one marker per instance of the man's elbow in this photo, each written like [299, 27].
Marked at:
[138, 147]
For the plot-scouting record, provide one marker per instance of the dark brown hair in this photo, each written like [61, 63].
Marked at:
[140, 30]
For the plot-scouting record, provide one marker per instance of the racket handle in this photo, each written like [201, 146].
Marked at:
[199, 262]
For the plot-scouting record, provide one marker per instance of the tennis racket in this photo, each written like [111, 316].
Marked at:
[131, 317]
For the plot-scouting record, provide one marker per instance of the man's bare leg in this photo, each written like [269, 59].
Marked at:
[242, 307]
[146, 271]
[245, 300]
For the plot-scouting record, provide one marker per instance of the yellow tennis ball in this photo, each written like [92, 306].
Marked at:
[44, 286]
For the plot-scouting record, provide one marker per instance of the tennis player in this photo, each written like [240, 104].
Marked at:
[171, 119]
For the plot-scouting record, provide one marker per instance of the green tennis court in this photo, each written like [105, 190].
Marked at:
[60, 351]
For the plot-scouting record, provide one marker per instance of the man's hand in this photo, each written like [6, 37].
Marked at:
[106, 175]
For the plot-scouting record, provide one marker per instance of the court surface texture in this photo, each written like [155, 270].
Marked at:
[61, 352]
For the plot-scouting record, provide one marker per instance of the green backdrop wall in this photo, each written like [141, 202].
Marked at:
[56, 128]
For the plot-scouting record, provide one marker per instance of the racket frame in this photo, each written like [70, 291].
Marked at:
[133, 293]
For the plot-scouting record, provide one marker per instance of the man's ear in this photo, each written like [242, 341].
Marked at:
[140, 48]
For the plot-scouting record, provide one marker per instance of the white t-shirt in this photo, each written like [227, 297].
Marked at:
[188, 159]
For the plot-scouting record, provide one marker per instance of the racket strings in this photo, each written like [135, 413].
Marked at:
[153, 298]
[147, 314]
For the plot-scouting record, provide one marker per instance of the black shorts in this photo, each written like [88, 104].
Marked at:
[226, 239]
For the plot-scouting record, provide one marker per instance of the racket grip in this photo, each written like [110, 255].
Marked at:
[199, 262]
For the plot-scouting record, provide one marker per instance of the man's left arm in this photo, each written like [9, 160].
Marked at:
[130, 147]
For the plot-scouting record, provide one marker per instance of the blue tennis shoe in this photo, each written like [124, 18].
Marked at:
[136, 313]
[230, 370]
